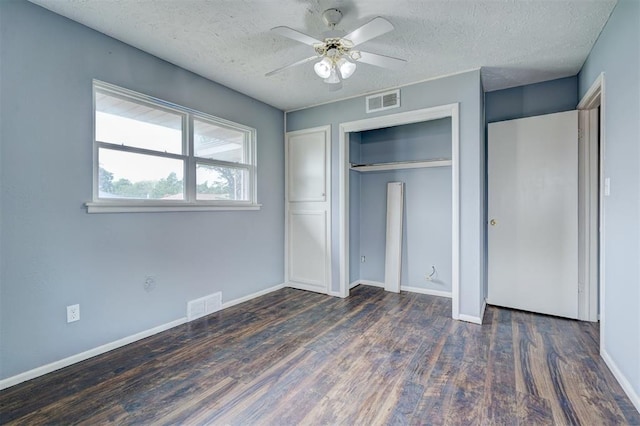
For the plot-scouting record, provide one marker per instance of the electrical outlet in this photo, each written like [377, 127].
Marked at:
[149, 283]
[73, 313]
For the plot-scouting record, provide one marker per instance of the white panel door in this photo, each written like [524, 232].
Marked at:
[307, 247]
[307, 167]
[308, 244]
[533, 214]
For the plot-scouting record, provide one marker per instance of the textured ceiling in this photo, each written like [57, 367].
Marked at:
[515, 42]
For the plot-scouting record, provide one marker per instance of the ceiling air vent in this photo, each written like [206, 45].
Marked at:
[382, 101]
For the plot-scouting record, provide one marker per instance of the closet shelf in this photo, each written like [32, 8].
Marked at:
[377, 167]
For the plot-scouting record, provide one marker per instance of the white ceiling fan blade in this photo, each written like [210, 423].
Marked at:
[372, 29]
[295, 35]
[381, 60]
[303, 61]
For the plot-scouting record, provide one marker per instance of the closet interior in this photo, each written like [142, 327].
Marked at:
[419, 156]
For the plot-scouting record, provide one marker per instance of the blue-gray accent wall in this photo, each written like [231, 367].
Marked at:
[617, 54]
[54, 253]
[533, 99]
[463, 88]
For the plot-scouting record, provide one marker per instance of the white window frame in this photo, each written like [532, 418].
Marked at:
[190, 203]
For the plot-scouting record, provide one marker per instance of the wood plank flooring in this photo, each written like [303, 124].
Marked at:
[294, 357]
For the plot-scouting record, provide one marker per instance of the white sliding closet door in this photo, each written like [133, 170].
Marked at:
[533, 214]
[307, 248]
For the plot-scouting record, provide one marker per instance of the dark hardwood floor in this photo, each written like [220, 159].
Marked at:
[294, 357]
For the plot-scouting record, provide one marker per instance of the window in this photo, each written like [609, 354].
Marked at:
[150, 155]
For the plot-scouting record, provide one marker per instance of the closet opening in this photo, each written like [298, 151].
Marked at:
[421, 150]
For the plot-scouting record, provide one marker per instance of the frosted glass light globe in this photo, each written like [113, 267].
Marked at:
[323, 68]
[333, 77]
[346, 68]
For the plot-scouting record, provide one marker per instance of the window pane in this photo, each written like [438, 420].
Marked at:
[221, 183]
[138, 176]
[218, 143]
[123, 122]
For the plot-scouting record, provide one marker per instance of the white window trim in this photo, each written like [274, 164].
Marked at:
[190, 203]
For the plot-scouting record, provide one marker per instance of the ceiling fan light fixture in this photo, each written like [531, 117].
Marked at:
[333, 78]
[335, 54]
[323, 68]
[346, 68]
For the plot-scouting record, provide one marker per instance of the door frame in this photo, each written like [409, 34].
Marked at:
[327, 131]
[588, 189]
[409, 117]
[595, 97]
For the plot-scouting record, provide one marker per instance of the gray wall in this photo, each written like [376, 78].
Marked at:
[617, 54]
[463, 88]
[416, 141]
[427, 214]
[55, 254]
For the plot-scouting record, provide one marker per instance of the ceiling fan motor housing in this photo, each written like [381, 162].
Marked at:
[333, 47]
[332, 17]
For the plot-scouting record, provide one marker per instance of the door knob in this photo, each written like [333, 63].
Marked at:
[493, 222]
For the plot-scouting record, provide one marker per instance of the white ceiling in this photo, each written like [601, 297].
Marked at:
[515, 42]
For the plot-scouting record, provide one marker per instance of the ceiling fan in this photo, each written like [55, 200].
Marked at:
[336, 53]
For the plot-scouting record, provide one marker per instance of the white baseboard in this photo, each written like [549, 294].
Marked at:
[429, 291]
[239, 300]
[470, 318]
[371, 283]
[410, 289]
[56, 365]
[65, 362]
[473, 319]
[624, 383]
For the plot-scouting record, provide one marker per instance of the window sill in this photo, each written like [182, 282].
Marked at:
[97, 207]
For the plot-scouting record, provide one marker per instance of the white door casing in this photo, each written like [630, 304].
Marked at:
[533, 214]
[588, 202]
[595, 99]
[307, 205]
